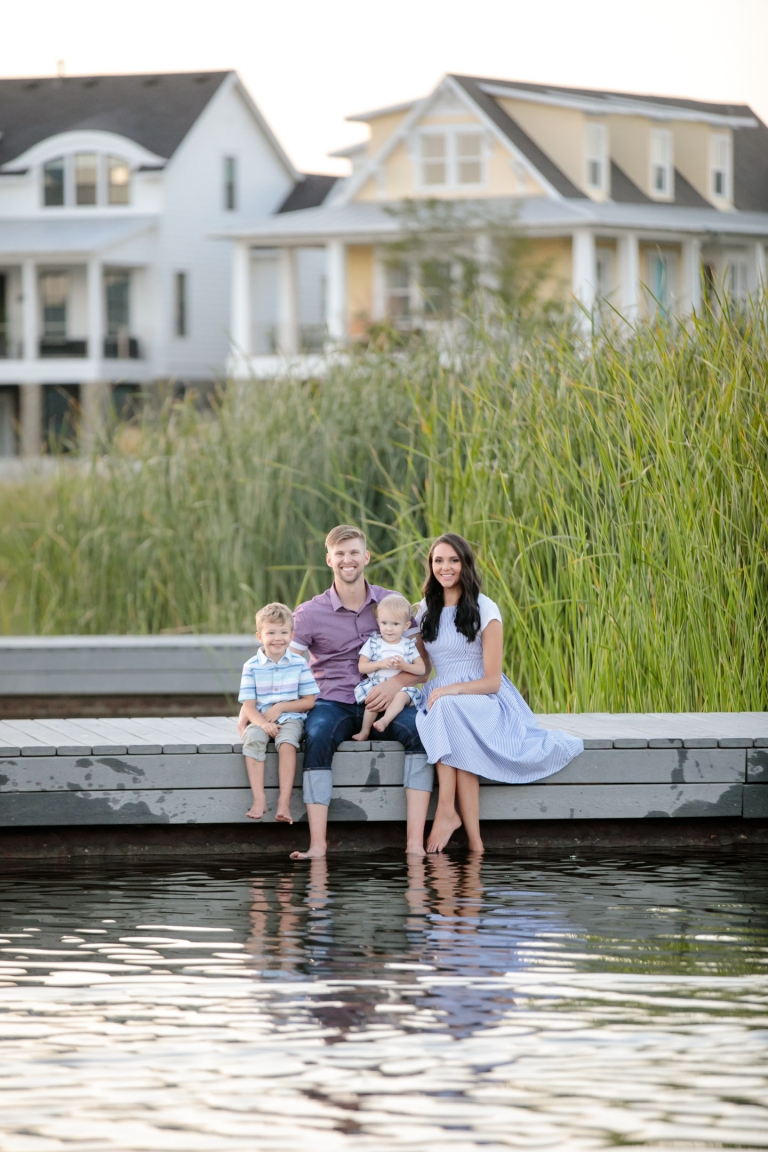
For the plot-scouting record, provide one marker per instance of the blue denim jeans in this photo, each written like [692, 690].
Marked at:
[331, 722]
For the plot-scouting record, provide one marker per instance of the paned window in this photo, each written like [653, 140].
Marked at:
[230, 183]
[434, 159]
[86, 177]
[118, 180]
[53, 183]
[596, 142]
[181, 304]
[398, 296]
[738, 278]
[54, 290]
[720, 153]
[118, 286]
[469, 158]
[661, 162]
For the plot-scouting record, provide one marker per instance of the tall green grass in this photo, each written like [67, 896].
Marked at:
[617, 493]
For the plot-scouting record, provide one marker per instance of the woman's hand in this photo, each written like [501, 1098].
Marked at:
[446, 690]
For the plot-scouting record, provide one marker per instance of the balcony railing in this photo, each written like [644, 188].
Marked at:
[60, 347]
[122, 347]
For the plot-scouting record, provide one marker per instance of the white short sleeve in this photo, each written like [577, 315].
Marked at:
[366, 649]
[488, 611]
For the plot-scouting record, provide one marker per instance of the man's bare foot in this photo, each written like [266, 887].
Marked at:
[360, 736]
[283, 815]
[313, 853]
[257, 809]
[443, 827]
[416, 849]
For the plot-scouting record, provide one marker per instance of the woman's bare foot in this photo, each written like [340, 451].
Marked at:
[416, 849]
[283, 814]
[443, 827]
[314, 852]
[475, 845]
[257, 809]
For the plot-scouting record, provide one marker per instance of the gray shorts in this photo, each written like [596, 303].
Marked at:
[255, 739]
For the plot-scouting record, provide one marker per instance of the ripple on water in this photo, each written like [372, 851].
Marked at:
[539, 1003]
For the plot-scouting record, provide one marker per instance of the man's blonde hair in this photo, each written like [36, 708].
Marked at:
[396, 603]
[341, 533]
[276, 613]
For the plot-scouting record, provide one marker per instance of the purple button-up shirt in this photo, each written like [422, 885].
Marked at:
[334, 636]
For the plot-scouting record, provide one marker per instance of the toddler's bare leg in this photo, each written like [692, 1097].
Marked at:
[286, 770]
[365, 731]
[256, 780]
[399, 701]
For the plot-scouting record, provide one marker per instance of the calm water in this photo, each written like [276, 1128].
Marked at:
[367, 1004]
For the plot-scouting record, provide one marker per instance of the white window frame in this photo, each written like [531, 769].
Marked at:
[450, 134]
[663, 138]
[716, 141]
[596, 152]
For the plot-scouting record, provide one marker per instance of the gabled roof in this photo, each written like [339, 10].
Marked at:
[156, 111]
[311, 191]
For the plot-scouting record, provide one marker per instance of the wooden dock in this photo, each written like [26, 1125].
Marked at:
[190, 770]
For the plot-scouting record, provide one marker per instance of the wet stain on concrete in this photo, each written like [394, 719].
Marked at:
[373, 780]
[346, 810]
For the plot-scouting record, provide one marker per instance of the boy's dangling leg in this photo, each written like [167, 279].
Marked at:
[256, 780]
[286, 770]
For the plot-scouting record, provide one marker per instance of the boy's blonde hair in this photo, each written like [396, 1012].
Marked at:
[274, 613]
[396, 603]
[341, 533]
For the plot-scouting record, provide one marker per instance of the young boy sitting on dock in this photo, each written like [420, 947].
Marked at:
[383, 655]
[276, 690]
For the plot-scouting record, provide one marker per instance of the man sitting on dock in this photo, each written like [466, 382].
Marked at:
[333, 627]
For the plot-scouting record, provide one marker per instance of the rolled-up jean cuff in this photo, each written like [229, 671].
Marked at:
[318, 785]
[419, 773]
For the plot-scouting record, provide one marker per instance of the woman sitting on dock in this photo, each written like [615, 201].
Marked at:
[473, 722]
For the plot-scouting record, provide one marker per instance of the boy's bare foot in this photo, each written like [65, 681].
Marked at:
[283, 815]
[443, 828]
[313, 853]
[360, 736]
[257, 809]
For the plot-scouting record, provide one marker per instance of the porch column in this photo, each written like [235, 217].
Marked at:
[629, 276]
[240, 321]
[583, 267]
[336, 298]
[379, 309]
[690, 295]
[761, 275]
[29, 320]
[31, 419]
[92, 392]
[287, 304]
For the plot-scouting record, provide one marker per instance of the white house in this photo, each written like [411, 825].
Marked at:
[110, 189]
[642, 201]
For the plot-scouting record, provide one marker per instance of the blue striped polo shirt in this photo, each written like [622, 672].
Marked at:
[269, 682]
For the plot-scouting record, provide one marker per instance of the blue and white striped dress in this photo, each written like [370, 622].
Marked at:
[495, 736]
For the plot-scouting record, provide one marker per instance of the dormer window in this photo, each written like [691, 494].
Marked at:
[720, 165]
[451, 159]
[53, 183]
[661, 163]
[434, 159]
[86, 177]
[118, 180]
[597, 157]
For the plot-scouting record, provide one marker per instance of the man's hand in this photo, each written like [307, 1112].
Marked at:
[381, 696]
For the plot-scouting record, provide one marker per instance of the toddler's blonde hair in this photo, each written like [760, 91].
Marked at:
[396, 603]
[275, 613]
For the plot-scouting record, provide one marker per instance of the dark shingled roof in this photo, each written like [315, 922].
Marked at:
[522, 141]
[155, 111]
[310, 192]
[750, 145]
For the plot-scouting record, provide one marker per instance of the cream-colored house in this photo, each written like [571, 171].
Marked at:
[633, 199]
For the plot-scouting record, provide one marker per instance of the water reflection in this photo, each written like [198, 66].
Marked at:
[382, 1005]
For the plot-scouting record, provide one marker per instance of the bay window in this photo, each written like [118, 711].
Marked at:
[53, 183]
[86, 177]
[118, 180]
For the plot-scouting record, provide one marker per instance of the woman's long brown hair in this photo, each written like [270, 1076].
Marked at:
[467, 609]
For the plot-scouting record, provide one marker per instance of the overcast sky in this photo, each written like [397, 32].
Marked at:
[310, 63]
